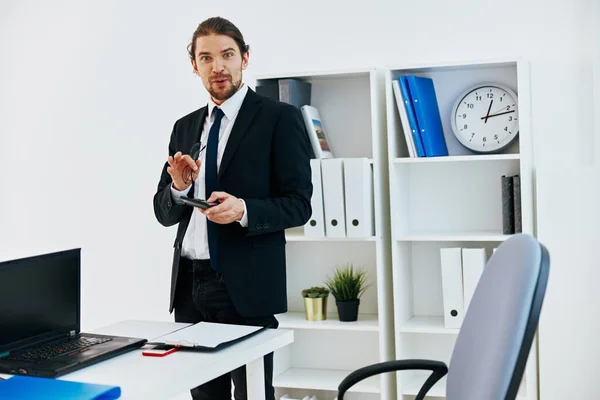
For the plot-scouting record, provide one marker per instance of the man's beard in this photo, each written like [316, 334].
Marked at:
[227, 94]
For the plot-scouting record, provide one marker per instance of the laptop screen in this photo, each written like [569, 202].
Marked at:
[39, 298]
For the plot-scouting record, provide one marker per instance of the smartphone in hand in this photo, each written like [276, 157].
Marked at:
[203, 204]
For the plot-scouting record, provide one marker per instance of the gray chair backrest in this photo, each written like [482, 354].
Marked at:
[493, 344]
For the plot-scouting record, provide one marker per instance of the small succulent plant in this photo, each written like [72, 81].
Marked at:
[315, 292]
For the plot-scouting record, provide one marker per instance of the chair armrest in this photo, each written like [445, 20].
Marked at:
[439, 369]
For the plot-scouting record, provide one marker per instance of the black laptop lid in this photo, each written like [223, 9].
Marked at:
[39, 298]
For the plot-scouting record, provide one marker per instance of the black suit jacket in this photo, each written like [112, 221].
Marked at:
[265, 163]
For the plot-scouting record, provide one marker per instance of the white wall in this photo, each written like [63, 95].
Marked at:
[89, 92]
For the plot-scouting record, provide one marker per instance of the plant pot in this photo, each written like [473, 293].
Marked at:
[315, 309]
[348, 310]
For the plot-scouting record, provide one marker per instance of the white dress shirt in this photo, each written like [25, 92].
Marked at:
[195, 242]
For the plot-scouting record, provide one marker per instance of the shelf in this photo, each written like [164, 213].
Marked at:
[412, 389]
[298, 236]
[297, 320]
[427, 325]
[323, 379]
[481, 236]
[456, 65]
[454, 159]
[325, 74]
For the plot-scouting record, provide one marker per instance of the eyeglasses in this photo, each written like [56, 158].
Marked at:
[187, 175]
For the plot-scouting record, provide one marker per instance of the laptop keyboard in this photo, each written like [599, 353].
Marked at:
[55, 349]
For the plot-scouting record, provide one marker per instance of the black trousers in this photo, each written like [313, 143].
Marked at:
[201, 295]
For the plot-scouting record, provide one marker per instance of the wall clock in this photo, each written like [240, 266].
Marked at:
[485, 117]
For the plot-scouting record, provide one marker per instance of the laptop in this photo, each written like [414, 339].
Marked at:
[40, 318]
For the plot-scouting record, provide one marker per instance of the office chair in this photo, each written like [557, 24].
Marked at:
[493, 344]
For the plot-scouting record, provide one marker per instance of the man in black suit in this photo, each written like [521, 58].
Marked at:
[249, 154]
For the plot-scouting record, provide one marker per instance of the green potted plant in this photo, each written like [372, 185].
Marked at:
[315, 303]
[347, 286]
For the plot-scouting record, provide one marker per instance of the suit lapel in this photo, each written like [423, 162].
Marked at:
[245, 116]
[196, 133]
[197, 125]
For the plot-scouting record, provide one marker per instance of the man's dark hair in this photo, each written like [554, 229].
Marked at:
[218, 26]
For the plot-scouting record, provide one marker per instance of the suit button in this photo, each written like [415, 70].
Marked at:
[169, 204]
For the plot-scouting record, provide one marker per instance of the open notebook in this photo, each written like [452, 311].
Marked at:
[208, 335]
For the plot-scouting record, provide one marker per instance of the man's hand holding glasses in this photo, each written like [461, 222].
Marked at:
[183, 170]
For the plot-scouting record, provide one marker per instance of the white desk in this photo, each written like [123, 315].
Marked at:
[163, 378]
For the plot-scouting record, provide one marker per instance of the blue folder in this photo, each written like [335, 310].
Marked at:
[428, 117]
[34, 388]
[410, 114]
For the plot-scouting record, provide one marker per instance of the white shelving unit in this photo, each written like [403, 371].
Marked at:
[352, 108]
[297, 320]
[452, 201]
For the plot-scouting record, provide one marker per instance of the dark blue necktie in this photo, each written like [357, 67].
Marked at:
[210, 179]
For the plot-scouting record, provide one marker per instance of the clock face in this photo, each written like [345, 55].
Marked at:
[486, 118]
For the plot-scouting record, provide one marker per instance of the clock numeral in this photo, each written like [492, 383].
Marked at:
[465, 126]
[470, 105]
[496, 137]
[490, 95]
[484, 139]
[507, 108]
[510, 118]
[501, 98]
[464, 116]
[506, 129]
[478, 98]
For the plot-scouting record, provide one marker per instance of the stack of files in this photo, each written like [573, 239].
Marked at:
[461, 270]
[342, 201]
[30, 388]
[417, 105]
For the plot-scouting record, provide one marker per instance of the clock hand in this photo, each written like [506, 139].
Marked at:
[503, 108]
[488, 112]
[495, 115]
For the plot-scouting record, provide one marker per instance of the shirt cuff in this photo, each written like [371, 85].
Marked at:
[177, 194]
[244, 221]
